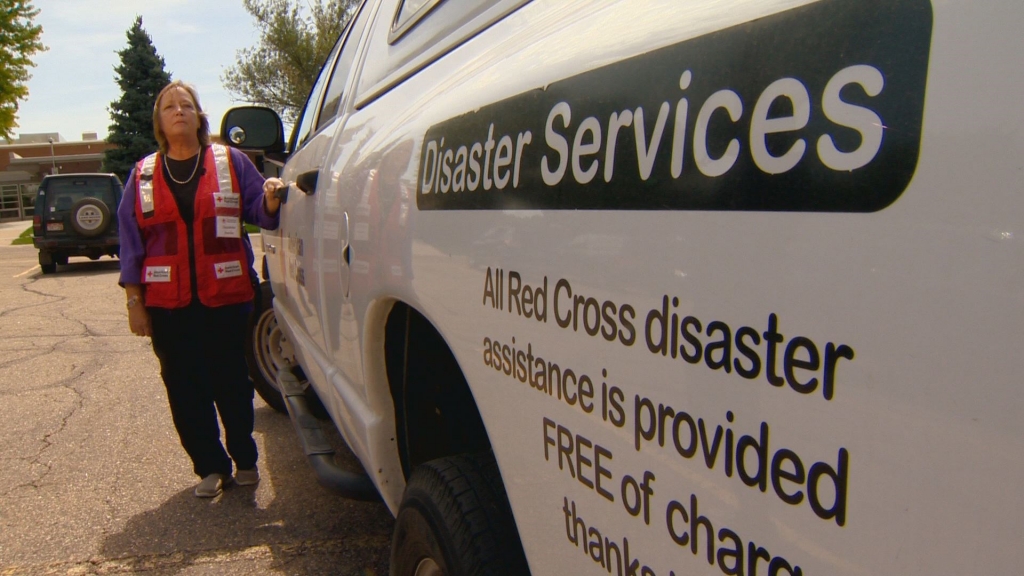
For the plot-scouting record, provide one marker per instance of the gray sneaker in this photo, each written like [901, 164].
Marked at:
[247, 477]
[211, 486]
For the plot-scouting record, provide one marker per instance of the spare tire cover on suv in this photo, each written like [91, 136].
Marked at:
[90, 217]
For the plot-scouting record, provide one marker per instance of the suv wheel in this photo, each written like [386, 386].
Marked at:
[267, 349]
[90, 217]
[46, 262]
[455, 519]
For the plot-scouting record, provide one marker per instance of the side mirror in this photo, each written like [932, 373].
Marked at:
[253, 128]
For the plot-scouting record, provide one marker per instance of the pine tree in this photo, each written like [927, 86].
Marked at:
[141, 76]
[19, 40]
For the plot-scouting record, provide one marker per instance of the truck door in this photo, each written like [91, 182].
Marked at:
[315, 231]
[299, 248]
[335, 218]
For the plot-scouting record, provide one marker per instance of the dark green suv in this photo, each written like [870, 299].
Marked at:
[76, 215]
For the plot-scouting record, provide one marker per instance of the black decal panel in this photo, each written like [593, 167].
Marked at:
[817, 108]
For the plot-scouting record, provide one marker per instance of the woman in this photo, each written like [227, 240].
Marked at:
[186, 267]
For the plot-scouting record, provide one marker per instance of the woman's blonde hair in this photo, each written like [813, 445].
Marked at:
[204, 121]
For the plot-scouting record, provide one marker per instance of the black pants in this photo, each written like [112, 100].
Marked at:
[202, 361]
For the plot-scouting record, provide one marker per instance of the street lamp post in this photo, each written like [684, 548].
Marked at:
[53, 160]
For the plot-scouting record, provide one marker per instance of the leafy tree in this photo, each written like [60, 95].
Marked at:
[141, 76]
[19, 41]
[280, 70]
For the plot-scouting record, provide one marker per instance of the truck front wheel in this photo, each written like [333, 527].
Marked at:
[267, 349]
[455, 519]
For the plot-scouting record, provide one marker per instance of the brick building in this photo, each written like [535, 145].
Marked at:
[24, 162]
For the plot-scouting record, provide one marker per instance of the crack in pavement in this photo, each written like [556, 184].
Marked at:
[96, 343]
[27, 288]
[280, 553]
[17, 361]
[36, 460]
[87, 331]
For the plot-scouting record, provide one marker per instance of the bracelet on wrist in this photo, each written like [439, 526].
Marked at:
[132, 301]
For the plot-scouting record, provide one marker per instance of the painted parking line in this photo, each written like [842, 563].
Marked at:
[32, 269]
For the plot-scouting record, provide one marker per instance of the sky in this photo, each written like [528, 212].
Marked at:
[73, 83]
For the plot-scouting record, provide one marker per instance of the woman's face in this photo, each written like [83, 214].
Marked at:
[178, 117]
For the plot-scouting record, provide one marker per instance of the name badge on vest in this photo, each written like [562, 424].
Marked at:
[227, 200]
[227, 269]
[229, 227]
[157, 274]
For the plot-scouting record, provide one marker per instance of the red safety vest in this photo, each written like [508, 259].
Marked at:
[221, 261]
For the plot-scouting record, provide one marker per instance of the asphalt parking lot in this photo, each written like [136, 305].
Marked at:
[92, 478]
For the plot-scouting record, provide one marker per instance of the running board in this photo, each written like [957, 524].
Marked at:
[318, 450]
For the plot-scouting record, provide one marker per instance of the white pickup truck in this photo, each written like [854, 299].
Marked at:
[651, 287]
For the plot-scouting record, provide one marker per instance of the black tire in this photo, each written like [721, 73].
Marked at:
[46, 262]
[90, 217]
[455, 520]
[263, 349]
[61, 259]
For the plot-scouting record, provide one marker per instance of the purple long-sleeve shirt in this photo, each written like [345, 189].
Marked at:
[133, 250]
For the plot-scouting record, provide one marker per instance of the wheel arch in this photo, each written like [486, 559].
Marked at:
[436, 414]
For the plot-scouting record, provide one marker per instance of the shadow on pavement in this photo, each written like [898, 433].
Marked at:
[83, 267]
[286, 525]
